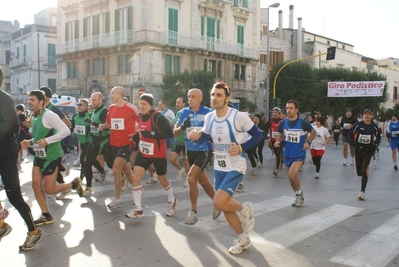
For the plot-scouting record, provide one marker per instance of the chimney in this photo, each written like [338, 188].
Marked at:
[291, 26]
[299, 54]
[280, 24]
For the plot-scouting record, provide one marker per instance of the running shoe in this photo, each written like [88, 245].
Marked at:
[353, 162]
[32, 240]
[115, 203]
[181, 174]
[102, 177]
[67, 169]
[125, 183]
[5, 230]
[185, 183]
[298, 200]
[76, 163]
[240, 188]
[247, 217]
[345, 163]
[361, 196]
[171, 208]
[260, 165]
[317, 176]
[4, 214]
[153, 179]
[63, 194]
[216, 213]
[239, 246]
[135, 213]
[77, 186]
[395, 167]
[43, 220]
[276, 172]
[253, 171]
[88, 193]
[192, 218]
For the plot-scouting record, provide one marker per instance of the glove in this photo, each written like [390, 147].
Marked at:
[146, 134]
[185, 124]
[22, 117]
[88, 120]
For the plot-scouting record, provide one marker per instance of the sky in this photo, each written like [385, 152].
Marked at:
[368, 25]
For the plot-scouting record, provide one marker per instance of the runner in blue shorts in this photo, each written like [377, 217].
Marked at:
[393, 134]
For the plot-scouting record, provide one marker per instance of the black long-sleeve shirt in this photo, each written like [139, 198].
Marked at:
[9, 126]
[364, 135]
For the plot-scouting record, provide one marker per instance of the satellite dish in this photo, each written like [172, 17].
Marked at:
[16, 23]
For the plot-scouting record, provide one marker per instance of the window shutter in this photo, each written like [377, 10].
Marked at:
[77, 29]
[117, 22]
[202, 26]
[85, 27]
[129, 18]
[67, 32]
[107, 22]
[218, 29]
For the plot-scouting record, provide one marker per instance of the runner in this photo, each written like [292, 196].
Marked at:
[170, 115]
[198, 155]
[347, 123]
[47, 131]
[293, 132]
[9, 173]
[121, 119]
[365, 137]
[154, 129]
[336, 129]
[228, 129]
[392, 133]
[318, 145]
[272, 125]
[179, 147]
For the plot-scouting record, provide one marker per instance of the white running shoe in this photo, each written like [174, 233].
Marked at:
[171, 208]
[240, 188]
[216, 213]
[299, 199]
[63, 194]
[192, 218]
[185, 184]
[115, 203]
[181, 174]
[153, 179]
[247, 217]
[361, 196]
[345, 163]
[135, 213]
[253, 171]
[239, 246]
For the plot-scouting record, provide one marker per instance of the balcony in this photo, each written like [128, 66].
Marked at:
[168, 38]
[220, 3]
[90, 4]
[242, 8]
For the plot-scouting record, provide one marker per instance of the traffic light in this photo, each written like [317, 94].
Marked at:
[331, 53]
[278, 102]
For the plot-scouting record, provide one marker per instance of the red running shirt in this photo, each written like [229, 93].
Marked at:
[123, 123]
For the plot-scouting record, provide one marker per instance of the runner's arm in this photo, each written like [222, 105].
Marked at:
[51, 120]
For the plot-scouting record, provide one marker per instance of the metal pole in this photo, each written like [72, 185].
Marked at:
[268, 60]
[38, 62]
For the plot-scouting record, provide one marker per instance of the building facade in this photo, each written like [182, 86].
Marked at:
[33, 56]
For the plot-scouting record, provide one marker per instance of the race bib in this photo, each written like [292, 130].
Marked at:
[336, 131]
[93, 129]
[146, 148]
[318, 135]
[395, 134]
[347, 126]
[189, 129]
[222, 160]
[274, 134]
[293, 136]
[118, 124]
[364, 139]
[40, 152]
[80, 129]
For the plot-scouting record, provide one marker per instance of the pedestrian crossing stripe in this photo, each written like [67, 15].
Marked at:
[377, 248]
[299, 229]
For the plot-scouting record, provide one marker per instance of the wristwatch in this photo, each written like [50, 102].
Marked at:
[309, 141]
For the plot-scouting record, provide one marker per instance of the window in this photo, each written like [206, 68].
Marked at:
[343, 47]
[242, 3]
[72, 69]
[51, 83]
[219, 73]
[8, 56]
[72, 30]
[202, 25]
[128, 63]
[103, 65]
[328, 42]
[75, 69]
[276, 57]
[97, 67]
[123, 19]
[69, 70]
[24, 53]
[168, 64]
[395, 93]
[242, 77]
[205, 65]
[17, 53]
[240, 34]
[86, 26]
[176, 65]
[218, 29]
[107, 22]
[96, 24]
[172, 25]
[51, 54]
[236, 72]
[120, 64]
[88, 67]
[212, 65]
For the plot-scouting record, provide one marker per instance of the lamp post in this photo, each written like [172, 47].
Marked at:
[268, 59]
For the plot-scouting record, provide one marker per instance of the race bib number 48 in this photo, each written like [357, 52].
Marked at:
[222, 160]
[118, 124]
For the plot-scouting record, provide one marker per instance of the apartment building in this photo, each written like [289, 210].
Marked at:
[105, 43]
[33, 55]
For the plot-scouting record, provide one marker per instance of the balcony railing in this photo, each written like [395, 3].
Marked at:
[169, 38]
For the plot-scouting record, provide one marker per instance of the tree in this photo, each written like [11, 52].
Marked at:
[309, 87]
[247, 104]
[177, 85]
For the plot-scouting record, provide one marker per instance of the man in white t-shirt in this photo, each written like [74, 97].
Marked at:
[170, 115]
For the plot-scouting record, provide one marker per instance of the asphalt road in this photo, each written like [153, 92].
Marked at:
[332, 228]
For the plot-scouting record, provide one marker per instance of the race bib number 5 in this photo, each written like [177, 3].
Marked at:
[118, 124]
[293, 136]
[146, 148]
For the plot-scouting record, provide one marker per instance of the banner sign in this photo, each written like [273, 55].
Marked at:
[355, 89]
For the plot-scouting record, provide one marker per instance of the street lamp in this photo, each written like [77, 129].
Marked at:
[38, 60]
[268, 59]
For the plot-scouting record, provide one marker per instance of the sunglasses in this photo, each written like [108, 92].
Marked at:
[222, 85]
[79, 105]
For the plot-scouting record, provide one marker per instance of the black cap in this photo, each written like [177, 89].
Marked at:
[47, 91]
[368, 110]
[147, 97]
